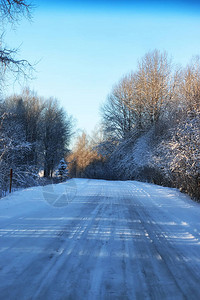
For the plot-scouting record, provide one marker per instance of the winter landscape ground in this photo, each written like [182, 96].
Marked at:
[96, 239]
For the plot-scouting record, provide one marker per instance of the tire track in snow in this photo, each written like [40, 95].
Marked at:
[184, 276]
[69, 257]
[114, 241]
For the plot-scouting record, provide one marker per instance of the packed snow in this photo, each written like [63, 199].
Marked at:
[96, 239]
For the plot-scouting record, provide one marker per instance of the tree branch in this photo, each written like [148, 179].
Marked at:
[14, 9]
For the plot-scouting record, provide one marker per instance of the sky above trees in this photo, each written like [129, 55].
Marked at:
[82, 49]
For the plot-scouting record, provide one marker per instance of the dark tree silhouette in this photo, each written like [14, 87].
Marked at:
[11, 11]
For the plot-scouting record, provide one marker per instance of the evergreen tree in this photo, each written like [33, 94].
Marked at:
[62, 170]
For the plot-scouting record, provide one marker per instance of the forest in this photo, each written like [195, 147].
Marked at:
[35, 135]
[150, 128]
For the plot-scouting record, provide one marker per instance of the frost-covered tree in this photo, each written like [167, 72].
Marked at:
[13, 151]
[184, 155]
[34, 135]
[163, 143]
[28, 108]
[62, 171]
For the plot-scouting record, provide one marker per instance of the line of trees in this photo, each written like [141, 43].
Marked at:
[141, 98]
[34, 136]
[151, 125]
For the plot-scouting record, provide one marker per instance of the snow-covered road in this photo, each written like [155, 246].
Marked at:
[105, 240]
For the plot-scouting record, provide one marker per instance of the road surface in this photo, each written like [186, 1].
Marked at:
[105, 240]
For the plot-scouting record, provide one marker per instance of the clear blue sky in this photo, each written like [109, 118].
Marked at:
[84, 48]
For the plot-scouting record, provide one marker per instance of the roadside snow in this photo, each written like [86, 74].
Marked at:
[95, 239]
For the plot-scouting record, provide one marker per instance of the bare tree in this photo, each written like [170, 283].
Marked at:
[190, 85]
[9, 62]
[12, 11]
[155, 84]
[117, 113]
[141, 98]
[83, 154]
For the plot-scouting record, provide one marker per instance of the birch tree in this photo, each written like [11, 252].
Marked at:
[190, 85]
[155, 84]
